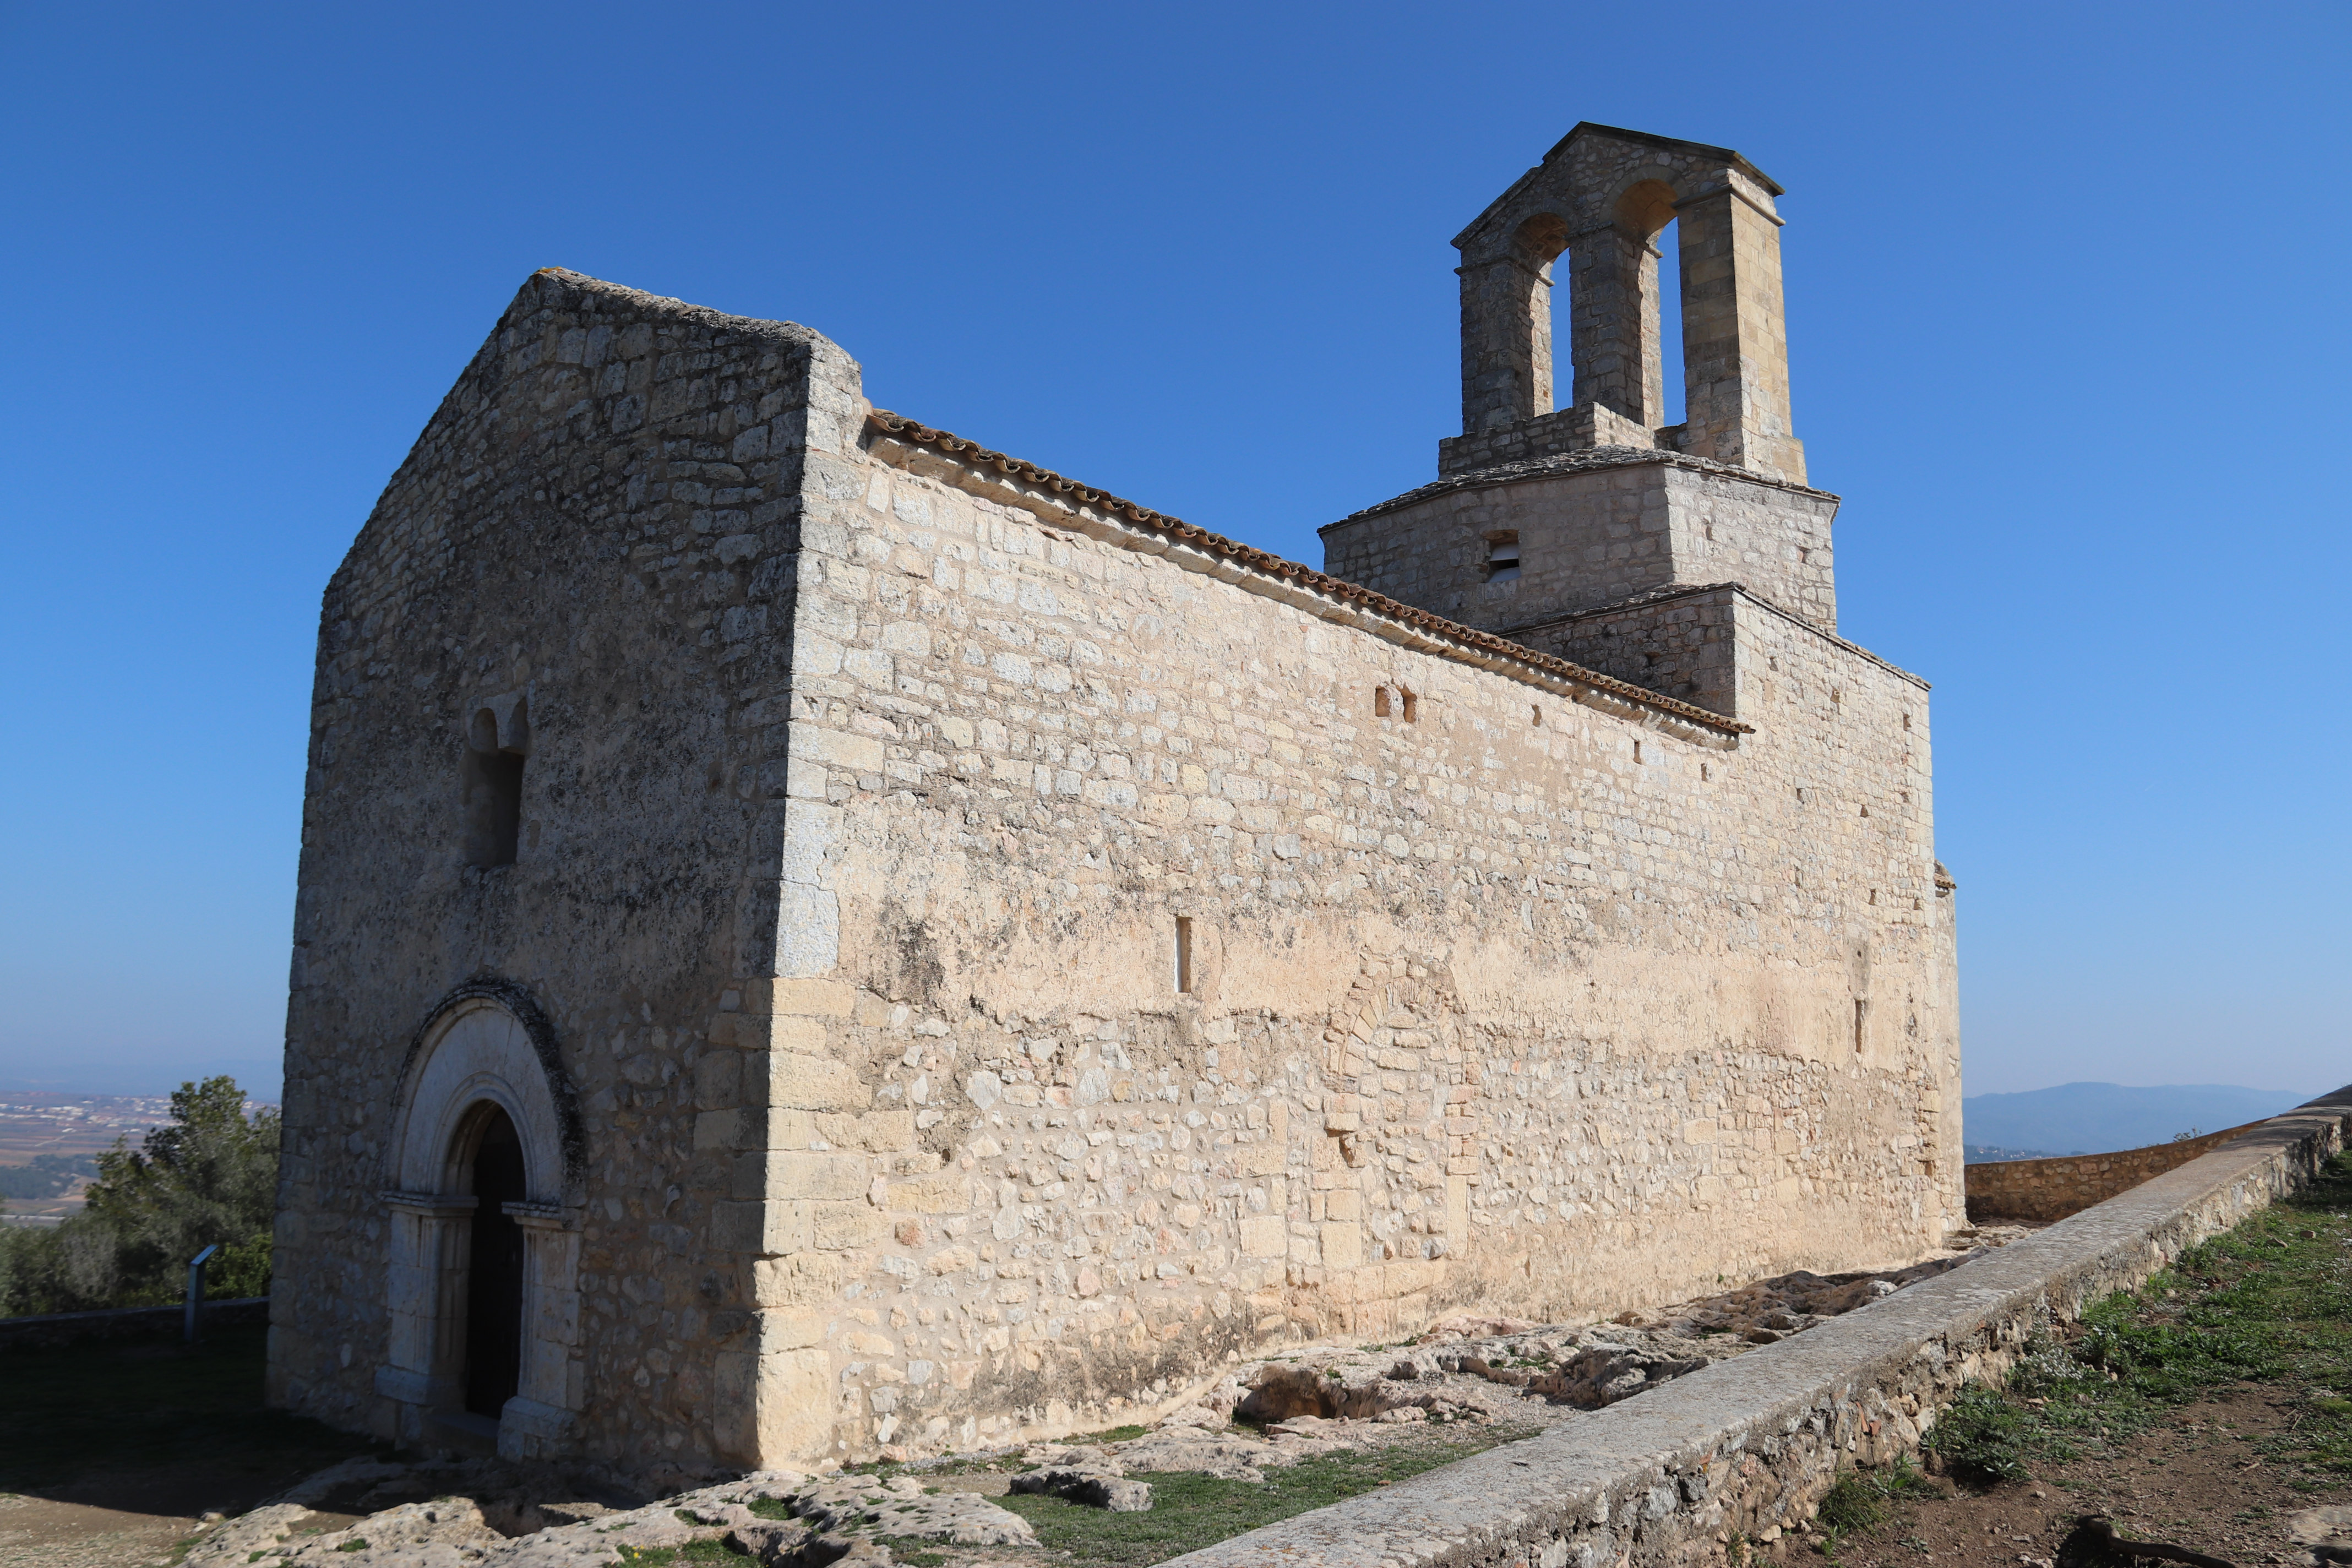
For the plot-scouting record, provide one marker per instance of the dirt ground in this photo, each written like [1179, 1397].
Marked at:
[2200, 1481]
[111, 1452]
[117, 1520]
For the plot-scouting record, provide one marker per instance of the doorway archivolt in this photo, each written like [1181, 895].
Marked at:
[482, 1290]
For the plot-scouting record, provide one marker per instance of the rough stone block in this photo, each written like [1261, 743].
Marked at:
[762, 1227]
[802, 1279]
[794, 1081]
[1343, 1244]
[797, 997]
[802, 1173]
[1263, 1235]
[794, 1401]
[850, 1226]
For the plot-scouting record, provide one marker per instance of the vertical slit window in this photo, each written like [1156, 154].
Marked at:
[491, 775]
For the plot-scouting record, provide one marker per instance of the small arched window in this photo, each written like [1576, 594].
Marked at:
[491, 776]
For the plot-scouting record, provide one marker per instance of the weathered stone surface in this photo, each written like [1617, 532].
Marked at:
[1750, 1445]
[1602, 543]
[438, 1534]
[967, 960]
[1601, 197]
[902, 1507]
[2324, 1533]
[1094, 1488]
[1182, 1449]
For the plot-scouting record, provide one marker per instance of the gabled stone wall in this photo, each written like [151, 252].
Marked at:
[597, 526]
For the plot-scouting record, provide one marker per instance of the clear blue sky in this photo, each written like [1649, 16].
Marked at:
[2067, 322]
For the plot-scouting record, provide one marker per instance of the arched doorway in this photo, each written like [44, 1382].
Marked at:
[494, 1270]
[481, 1287]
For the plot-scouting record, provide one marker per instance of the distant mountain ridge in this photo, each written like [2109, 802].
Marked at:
[2098, 1118]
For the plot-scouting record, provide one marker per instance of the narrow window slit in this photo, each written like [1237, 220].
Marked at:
[490, 774]
[1185, 955]
[1502, 557]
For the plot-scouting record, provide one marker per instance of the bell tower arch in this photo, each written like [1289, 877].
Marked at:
[1603, 196]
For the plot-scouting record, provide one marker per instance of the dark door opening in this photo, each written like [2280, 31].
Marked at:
[494, 1284]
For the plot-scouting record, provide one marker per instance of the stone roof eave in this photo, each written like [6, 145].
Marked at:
[1560, 465]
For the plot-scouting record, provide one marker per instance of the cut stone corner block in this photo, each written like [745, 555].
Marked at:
[530, 1430]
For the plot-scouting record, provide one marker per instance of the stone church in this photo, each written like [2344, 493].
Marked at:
[817, 938]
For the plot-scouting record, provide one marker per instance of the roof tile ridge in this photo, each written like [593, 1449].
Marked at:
[913, 432]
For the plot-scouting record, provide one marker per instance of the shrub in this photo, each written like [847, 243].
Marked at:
[209, 1175]
[1861, 1498]
[1982, 1437]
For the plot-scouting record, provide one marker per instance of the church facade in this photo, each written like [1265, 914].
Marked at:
[817, 938]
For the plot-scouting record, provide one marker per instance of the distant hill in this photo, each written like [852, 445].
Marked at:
[2095, 1118]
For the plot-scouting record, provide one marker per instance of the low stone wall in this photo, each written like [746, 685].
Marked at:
[47, 1330]
[1750, 1444]
[2054, 1188]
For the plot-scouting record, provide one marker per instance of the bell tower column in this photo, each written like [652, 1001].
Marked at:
[1735, 331]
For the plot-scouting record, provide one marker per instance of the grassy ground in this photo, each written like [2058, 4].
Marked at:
[2201, 1408]
[90, 1420]
[1191, 1510]
[2267, 1302]
[1188, 1509]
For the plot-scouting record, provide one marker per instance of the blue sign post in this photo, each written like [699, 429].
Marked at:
[196, 1287]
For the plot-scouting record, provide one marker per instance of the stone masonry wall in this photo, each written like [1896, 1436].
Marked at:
[1680, 642]
[1591, 530]
[2054, 1188]
[1502, 998]
[1748, 1447]
[1582, 429]
[601, 517]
